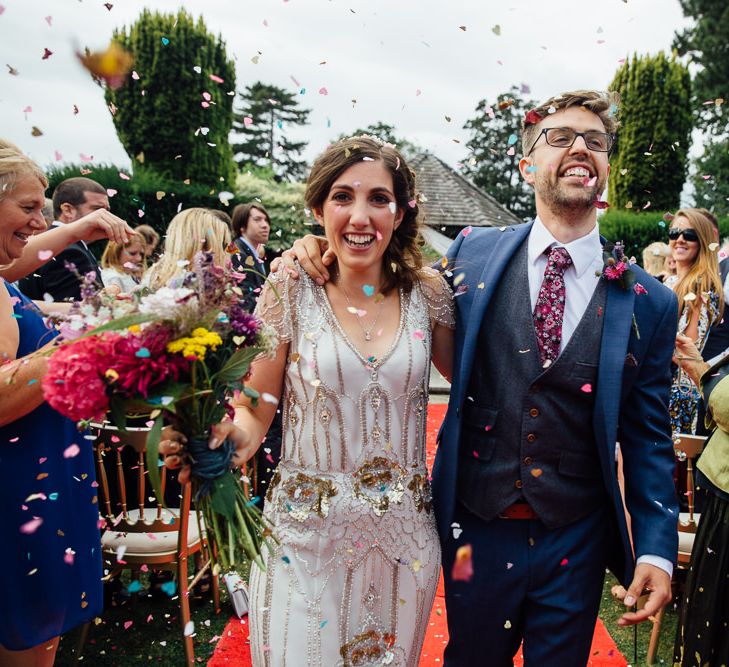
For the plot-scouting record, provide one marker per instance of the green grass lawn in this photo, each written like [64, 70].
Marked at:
[157, 640]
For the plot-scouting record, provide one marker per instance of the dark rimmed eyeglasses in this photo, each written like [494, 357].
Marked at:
[689, 235]
[565, 137]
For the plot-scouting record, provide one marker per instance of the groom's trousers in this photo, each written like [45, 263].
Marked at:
[542, 586]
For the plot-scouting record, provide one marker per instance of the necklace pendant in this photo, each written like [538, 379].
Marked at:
[368, 336]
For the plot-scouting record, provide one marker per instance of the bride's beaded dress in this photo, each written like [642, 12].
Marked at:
[352, 580]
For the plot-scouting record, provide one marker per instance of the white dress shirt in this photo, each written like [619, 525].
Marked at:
[580, 280]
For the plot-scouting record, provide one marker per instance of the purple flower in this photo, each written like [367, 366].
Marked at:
[243, 323]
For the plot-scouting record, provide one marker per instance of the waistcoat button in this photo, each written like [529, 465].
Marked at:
[531, 437]
[534, 412]
[528, 461]
[517, 484]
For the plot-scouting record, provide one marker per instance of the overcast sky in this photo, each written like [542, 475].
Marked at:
[412, 63]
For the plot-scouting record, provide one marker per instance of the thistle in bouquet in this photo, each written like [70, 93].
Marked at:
[174, 356]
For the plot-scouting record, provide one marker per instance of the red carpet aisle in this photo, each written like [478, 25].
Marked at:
[233, 648]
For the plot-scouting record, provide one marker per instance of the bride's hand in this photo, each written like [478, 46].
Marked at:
[171, 448]
[244, 448]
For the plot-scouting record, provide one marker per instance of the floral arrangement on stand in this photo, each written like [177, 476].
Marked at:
[174, 356]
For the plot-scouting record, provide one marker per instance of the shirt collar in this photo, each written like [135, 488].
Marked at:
[584, 251]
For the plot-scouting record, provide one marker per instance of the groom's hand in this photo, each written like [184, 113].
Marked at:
[647, 578]
[313, 254]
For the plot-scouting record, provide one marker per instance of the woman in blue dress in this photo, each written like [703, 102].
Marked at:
[50, 561]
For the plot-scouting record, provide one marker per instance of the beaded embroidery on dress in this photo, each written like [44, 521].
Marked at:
[353, 579]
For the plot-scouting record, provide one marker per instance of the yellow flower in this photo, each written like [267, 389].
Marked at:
[196, 344]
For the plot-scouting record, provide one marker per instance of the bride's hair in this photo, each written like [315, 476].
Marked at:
[402, 259]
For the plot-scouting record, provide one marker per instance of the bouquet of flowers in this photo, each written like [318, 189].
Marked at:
[177, 355]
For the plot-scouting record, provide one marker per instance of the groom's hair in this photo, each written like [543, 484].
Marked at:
[603, 104]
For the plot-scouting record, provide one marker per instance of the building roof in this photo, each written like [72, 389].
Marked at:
[453, 201]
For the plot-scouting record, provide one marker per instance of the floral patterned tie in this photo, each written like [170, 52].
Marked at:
[549, 309]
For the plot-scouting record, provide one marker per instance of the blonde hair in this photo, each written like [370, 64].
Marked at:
[603, 104]
[189, 231]
[14, 164]
[703, 276]
[111, 259]
[654, 257]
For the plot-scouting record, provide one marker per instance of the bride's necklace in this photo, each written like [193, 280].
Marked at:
[367, 332]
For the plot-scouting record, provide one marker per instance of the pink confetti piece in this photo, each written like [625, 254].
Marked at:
[207, 96]
[587, 388]
[379, 236]
[463, 564]
[418, 334]
[69, 556]
[247, 121]
[216, 78]
[71, 451]
[86, 158]
[47, 53]
[128, 624]
[418, 92]
[639, 289]
[58, 156]
[467, 230]
[31, 526]
[135, 75]
[111, 192]
[124, 177]
[2, 9]
[323, 91]
[564, 562]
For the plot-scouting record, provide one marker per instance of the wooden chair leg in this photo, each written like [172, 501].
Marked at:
[650, 657]
[184, 592]
[82, 642]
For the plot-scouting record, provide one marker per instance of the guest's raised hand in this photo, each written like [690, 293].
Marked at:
[101, 224]
[313, 253]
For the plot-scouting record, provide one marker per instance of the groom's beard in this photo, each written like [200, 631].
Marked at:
[567, 201]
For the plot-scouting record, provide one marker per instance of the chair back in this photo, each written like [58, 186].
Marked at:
[687, 447]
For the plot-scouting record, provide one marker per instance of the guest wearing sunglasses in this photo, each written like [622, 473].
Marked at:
[697, 285]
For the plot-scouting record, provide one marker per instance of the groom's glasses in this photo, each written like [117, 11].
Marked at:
[689, 235]
[564, 137]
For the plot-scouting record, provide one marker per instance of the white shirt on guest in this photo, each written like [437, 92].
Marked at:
[123, 280]
[580, 278]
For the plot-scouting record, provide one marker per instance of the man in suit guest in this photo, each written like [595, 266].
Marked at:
[73, 199]
[560, 354]
[251, 227]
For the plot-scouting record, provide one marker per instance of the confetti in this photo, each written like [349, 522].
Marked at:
[45, 255]
[31, 526]
[463, 564]
[47, 53]
[587, 388]
[496, 30]
[418, 334]
[71, 451]
[110, 65]
[369, 290]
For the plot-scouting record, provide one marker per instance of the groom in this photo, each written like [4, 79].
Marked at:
[555, 363]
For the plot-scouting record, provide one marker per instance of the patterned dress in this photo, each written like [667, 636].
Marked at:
[685, 394]
[353, 578]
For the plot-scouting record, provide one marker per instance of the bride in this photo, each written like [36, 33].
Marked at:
[353, 577]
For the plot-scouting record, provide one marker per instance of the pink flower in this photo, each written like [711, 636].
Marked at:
[74, 384]
[141, 362]
[615, 271]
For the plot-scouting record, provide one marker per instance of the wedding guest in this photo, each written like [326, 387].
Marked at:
[151, 240]
[251, 227]
[73, 199]
[123, 264]
[190, 231]
[654, 259]
[47, 212]
[50, 561]
[350, 501]
[701, 635]
[701, 301]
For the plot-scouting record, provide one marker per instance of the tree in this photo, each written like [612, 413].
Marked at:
[175, 111]
[711, 180]
[493, 163]
[262, 124]
[650, 158]
[386, 132]
[706, 43]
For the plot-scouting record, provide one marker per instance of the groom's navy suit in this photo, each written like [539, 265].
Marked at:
[622, 397]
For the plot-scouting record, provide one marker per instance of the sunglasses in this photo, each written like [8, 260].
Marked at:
[689, 235]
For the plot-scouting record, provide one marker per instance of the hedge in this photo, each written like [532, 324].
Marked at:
[146, 197]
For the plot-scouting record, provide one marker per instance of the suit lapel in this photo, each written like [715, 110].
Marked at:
[615, 338]
[502, 250]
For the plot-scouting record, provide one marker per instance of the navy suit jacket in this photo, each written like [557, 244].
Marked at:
[631, 399]
[55, 279]
[254, 271]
